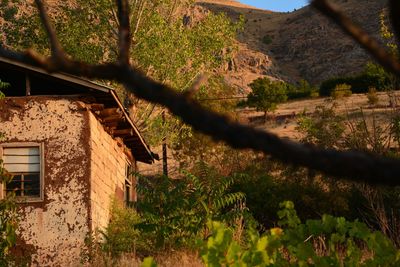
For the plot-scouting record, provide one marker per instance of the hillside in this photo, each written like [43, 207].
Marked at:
[304, 44]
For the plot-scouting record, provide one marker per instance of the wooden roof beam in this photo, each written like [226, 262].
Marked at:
[96, 107]
[123, 132]
[113, 118]
[108, 112]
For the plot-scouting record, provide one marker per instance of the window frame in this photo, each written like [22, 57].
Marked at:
[129, 182]
[29, 199]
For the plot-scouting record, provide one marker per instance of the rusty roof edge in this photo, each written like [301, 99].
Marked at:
[59, 75]
[145, 145]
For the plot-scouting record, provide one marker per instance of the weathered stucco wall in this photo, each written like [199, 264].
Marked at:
[56, 227]
[108, 163]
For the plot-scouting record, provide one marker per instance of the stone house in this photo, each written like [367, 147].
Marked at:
[72, 148]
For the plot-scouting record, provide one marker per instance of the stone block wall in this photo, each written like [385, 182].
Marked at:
[107, 180]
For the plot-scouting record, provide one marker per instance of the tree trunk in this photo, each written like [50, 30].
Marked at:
[164, 149]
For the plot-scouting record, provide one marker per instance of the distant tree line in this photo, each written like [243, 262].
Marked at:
[372, 76]
[266, 94]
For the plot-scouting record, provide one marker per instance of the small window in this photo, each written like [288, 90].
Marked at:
[24, 163]
[129, 184]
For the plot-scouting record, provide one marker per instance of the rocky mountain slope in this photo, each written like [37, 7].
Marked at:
[300, 44]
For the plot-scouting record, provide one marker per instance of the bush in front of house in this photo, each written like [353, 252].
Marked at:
[175, 211]
[170, 213]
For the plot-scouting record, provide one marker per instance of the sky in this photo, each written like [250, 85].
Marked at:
[276, 5]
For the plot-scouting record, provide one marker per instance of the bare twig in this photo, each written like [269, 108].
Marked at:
[124, 34]
[356, 166]
[358, 34]
[57, 51]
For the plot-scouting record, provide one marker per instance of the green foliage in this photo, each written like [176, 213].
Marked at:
[378, 77]
[8, 221]
[267, 39]
[190, 146]
[362, 133]
[179, 59]
[312, 193]
[341, 90]
[176, 60]
[372, 96]
[266, 94]
[325, 128]
[121, 235]
[3, 85]
[8, 215]
[302, 90]
[387, 35]
[148, 262]
[221, 249]
[163, 46]
[175, 211]
[330, 241]
[371, 77]
[84, 29]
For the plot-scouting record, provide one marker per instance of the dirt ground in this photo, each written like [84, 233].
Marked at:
[283, 121]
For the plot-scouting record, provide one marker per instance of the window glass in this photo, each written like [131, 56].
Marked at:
[129, 188]
[24, 164]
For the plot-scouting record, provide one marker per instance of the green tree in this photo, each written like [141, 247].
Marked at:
[266, 95]
[171, 43]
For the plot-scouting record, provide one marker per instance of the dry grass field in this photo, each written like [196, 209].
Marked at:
[283, 121]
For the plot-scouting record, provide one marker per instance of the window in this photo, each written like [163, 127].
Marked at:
[25, 164]
[130, 195]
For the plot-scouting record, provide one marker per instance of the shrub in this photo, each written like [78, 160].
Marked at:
[324, 128]
[372, 96]
[121, 234]
[175, 211]
[341, 90]
[267, 39]
[311, 193]
[367, 134]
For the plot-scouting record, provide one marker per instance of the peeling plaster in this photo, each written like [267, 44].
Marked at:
[56, 227]
[58, 232]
